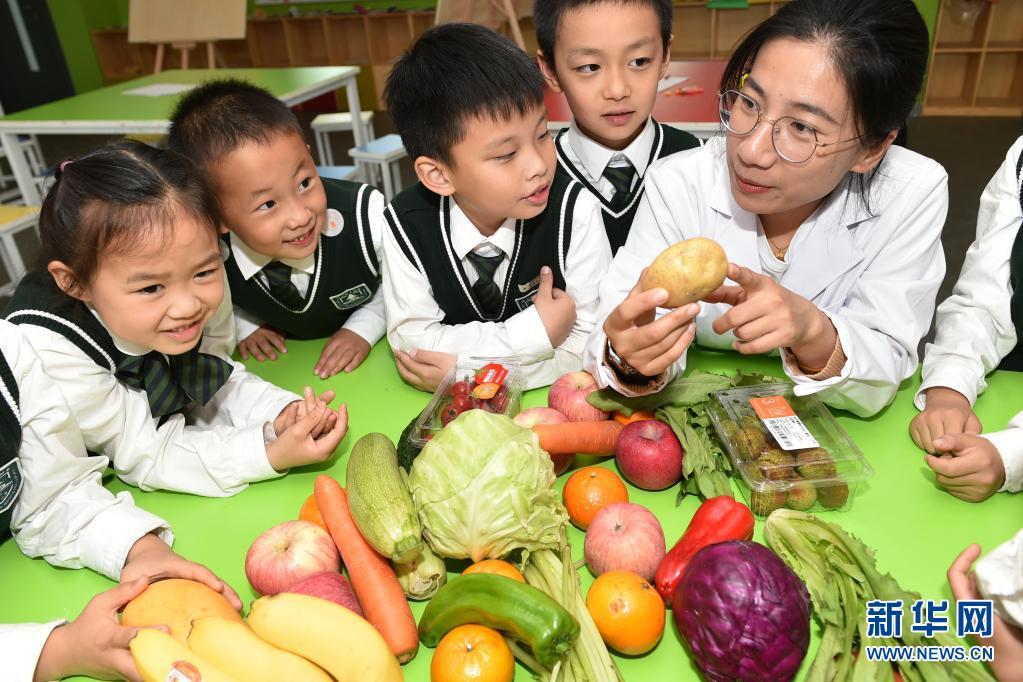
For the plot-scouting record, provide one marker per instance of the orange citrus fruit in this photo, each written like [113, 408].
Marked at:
[627, 610]
[311, 512]
[496, 567]
[636, 416]
[589, 490]
[472, 653]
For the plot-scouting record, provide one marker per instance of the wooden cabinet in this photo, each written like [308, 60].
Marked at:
[977, 70]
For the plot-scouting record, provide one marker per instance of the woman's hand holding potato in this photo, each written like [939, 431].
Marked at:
[650, 346]
[766, 315]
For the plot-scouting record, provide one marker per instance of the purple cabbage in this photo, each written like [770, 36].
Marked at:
[743, 612]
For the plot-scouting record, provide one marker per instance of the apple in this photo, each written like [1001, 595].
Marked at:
[624, 537]
[288, 552]
[532, 416]
[649, 455]
[329, 585]
[568, 396]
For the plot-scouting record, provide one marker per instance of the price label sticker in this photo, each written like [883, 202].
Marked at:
[493, 373]
[783, 423]
[183, 671]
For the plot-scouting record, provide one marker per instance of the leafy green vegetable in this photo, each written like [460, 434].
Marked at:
[482, 487]
[841, 575]
[682, 405]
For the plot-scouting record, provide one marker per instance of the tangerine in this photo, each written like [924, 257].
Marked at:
[636, 416]
[589, 490]
[310, 512]
[472, 653]
[496, 567]
[628, 612]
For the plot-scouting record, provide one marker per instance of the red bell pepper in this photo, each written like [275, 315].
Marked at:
[717, 520]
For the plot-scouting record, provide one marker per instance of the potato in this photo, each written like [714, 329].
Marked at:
[689, 270]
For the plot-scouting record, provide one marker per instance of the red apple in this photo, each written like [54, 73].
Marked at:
[568, 396]
[288, 552]
[649, 455]
[544, 415]
[329, 585]
[624, 537]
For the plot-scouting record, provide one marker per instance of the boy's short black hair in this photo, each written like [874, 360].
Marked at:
[453, 72]
[547, 15]
[217, 117]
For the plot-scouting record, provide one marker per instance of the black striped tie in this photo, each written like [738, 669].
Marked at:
[486, 291]
[620, 178]
[173, 385]
[278, 277]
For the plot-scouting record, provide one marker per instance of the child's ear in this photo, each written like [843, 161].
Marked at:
[67, 281]
[667, 55]
[870, 157]
[435, 175]
[224, 229]
[547, 69]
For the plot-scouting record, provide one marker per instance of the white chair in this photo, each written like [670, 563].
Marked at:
[385, 153]
[324, 124]
[13, 220]
[338, 172]
[34, 156]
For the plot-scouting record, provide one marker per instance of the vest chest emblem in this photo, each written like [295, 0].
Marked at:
[334, 224]
[350, 298]
[523, 302]
[10, 484]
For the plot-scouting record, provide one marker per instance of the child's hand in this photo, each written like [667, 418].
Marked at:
[556, 308]
[262, 344]
[294, 411]
[947, 412]
[95, 644]
[650, 346]
[344, 351]
[424, 369]
[1007, 664]
[972, 470]
[765, 316]
[297, 445]
[151, 558]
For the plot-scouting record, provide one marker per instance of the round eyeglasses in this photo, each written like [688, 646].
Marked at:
[794, 140]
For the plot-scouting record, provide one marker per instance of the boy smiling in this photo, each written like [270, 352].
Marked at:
[491, 254]
[610, 81]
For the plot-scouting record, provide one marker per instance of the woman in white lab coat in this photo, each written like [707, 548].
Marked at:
[833, 234]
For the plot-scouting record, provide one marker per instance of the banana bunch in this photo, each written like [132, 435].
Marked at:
[290, 637]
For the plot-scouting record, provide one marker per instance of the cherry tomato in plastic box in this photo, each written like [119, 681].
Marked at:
[447, 414]
[461, 389]
[461, 403]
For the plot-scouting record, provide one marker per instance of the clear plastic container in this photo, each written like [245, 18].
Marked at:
[494, 385]
[788, 451]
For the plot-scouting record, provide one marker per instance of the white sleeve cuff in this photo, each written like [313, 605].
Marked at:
[528, 336]
[21, 646]
[999, 577]
[952, 372]
[255, 466]
[105, 543]
[1009, 444]
[244, 324]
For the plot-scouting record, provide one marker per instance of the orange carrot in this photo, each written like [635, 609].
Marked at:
[636, 416]
[377, 588]
[587, 438]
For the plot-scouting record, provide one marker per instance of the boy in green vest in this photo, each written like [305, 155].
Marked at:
[301, 250]
[491, 254]
[607, 58]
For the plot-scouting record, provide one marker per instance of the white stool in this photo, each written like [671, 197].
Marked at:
[324, 124]
[338, 172]
[384, 152]
[14, 219]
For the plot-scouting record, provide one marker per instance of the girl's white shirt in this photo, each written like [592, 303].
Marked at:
[875, 274]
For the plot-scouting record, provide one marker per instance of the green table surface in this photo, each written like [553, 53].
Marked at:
[292, 85]
[916, 528]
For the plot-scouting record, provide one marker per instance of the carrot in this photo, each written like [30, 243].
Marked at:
[587, 438]
[636, 416]
[376, 586]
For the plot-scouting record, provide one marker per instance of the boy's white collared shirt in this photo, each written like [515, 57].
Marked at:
[974, 328]
[875, 276]
[415, 320]
[591, 158]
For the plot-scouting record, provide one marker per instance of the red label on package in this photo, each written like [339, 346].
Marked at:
[781, 420]
[493, 373]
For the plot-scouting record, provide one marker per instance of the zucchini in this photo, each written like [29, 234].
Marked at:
[380, 501]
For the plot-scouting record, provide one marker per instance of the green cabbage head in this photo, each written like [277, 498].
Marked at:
[482, 487]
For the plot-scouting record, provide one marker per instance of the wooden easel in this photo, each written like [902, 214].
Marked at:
[491, 14]
[183, 24]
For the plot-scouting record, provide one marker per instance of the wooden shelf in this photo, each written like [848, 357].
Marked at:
[693, 34]
[730, 26]
[306, 41]
[347, 41]
[267, 43]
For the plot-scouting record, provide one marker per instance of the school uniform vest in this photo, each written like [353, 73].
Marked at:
[10, 444]
[347, 272]
[421, 223]
[1014, 360]
[667, 140]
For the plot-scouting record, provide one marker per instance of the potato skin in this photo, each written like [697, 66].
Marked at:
[688, 270]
